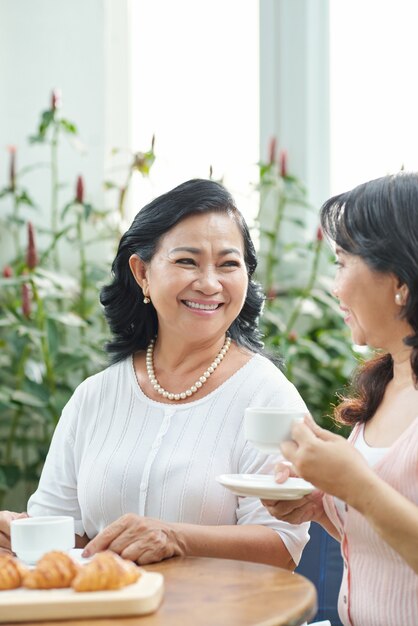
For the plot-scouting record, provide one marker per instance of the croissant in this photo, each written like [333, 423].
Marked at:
[11, 572]
[106, 571]
[54, 570]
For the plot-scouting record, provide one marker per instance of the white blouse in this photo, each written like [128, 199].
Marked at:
[116, 451]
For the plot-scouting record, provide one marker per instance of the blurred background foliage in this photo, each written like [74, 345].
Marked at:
[301, 322]
[52, 329]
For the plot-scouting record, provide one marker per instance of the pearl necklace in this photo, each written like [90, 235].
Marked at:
[189, 392]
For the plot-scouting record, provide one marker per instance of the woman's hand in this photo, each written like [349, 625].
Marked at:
[306, 509]
[282, 471]
[310, 508]
[140, 539]
[325, 459]
[333, 465]
[5, 518]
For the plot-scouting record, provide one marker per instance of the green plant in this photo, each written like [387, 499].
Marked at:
[301, 321]
[52, 328]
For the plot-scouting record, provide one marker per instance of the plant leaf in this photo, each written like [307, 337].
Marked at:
[68, 127]
[25, 398]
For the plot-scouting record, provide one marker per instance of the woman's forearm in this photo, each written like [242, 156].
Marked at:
[394, 517]
[247, 542]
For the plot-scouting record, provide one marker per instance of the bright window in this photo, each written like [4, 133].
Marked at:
[195, 68]
[374, 93]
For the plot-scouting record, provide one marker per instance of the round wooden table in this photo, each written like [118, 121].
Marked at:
[220, 592]
[205, 591]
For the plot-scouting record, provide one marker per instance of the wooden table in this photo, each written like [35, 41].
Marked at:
[220, 592]
[203, 592]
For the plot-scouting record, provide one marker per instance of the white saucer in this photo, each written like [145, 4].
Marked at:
[74, 553]
[264, 486]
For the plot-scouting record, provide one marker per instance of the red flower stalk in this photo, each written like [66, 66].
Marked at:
[26, 300]
[283, 163]
[272, 150]
[31, 253]
[7, 272]
[319, 234]
[56, 100]
[12, 170]
[79, 193]
[292, 336]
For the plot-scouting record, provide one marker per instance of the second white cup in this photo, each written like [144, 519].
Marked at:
[267, 427]
[32, 537]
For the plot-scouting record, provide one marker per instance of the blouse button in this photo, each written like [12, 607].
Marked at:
[346, 507]
[345, 599]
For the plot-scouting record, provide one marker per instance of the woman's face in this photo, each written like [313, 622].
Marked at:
[367, 299]
[197, 278]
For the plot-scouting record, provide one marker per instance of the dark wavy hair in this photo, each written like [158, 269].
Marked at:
[378, 221]
[133, 323]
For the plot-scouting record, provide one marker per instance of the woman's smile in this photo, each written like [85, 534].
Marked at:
[199, 306]
[346, 314]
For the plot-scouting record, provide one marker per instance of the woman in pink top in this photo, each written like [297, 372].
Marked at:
[370, 482]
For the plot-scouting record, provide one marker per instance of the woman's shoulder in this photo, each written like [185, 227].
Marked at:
[266, 367]
[93, 393]
[260, 369]
[273, 386]
[109, 377]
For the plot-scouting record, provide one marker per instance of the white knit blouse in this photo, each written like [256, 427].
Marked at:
[116, 451]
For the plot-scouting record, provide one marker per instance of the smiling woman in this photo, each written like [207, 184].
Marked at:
[136, 453]
[367, 488]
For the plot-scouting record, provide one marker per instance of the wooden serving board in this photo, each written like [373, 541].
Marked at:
[141, 598]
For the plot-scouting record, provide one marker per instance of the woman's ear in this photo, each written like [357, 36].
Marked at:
[402, 293]
[139, 271]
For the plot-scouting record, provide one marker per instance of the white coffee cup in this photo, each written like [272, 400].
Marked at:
[267, 427]
[32, 537]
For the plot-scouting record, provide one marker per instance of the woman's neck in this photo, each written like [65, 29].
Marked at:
[179, 353]
[402, 370]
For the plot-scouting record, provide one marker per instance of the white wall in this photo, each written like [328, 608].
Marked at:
[47, 44]
[374, 95]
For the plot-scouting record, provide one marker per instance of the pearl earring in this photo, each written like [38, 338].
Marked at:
[398, 299]
[146, 300]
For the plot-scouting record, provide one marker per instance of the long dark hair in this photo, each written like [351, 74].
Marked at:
[134, 323]
[378, 221]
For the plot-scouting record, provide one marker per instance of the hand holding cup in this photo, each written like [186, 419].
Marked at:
[268, 427]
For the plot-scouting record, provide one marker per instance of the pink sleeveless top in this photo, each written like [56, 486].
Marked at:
[378, 588]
